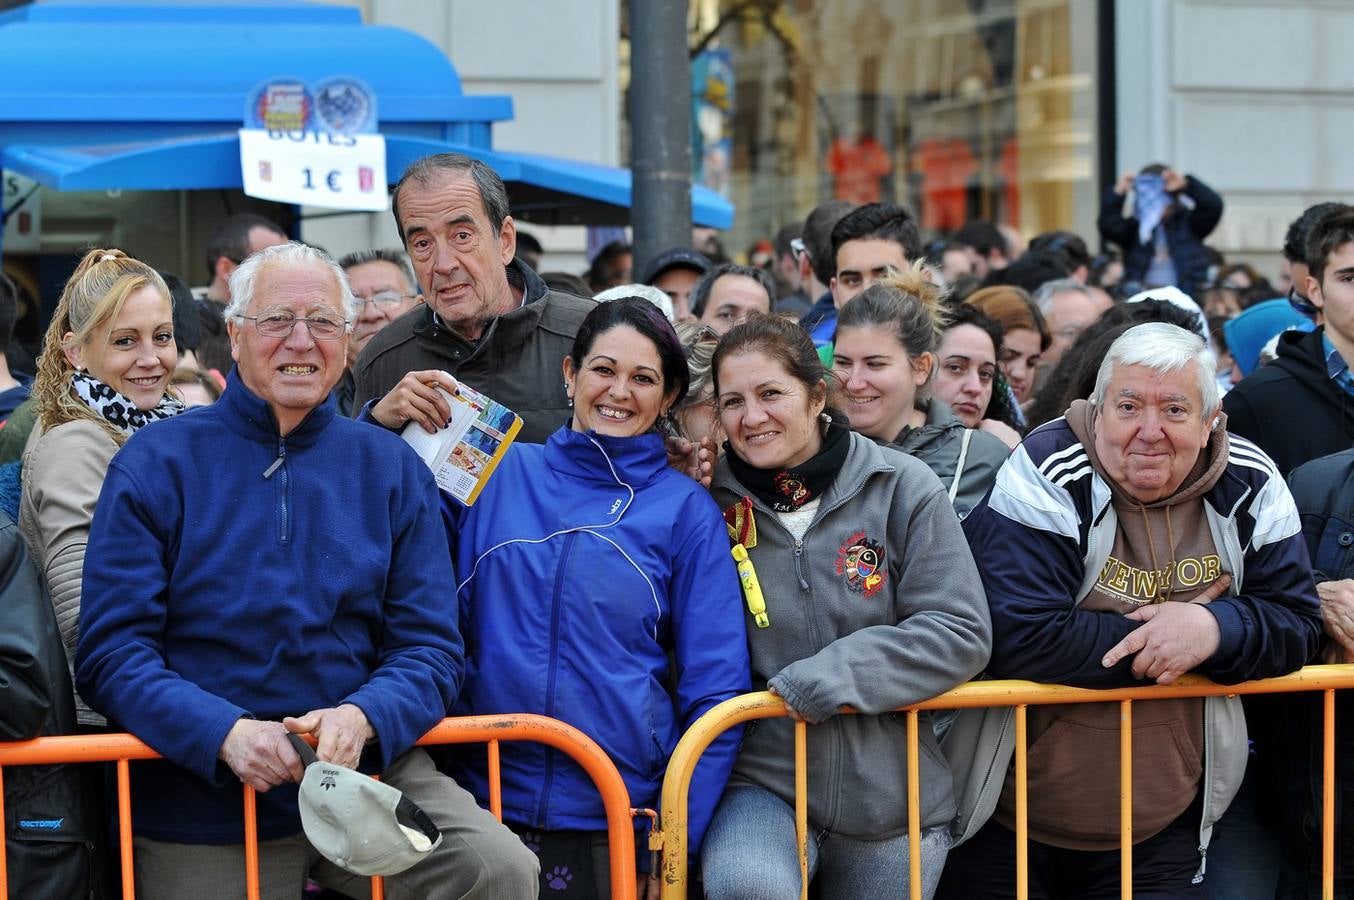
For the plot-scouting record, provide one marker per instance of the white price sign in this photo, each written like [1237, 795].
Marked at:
[313, 168]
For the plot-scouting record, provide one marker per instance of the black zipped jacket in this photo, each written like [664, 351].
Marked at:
[1291, 407]
[51, 826]
[516, 361]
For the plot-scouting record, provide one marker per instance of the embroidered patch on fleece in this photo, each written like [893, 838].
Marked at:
[861, 560]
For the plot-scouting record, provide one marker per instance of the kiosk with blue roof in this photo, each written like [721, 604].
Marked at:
[146, 95]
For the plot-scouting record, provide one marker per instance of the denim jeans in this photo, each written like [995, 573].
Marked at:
[750, 854]
[1243, 856]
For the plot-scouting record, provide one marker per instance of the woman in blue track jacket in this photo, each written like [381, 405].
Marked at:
[597, 588]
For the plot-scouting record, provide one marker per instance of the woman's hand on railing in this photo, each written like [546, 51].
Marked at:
[789, 710]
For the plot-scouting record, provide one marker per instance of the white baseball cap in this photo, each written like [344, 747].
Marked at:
[1176, 297]
[644, 292]
[358, 823]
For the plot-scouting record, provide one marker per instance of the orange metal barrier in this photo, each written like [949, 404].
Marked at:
[1018, 694]
[490, 730]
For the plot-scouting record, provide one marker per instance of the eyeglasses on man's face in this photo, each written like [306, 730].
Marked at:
[279, 323]
[383, 300]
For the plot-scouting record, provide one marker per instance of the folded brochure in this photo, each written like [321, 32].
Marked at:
[464, 454]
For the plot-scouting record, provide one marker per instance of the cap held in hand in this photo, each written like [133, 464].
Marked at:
[358, 823]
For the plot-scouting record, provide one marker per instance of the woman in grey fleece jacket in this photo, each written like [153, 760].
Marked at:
[872, 601]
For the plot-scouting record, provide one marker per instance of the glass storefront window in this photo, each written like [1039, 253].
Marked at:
[959, 109]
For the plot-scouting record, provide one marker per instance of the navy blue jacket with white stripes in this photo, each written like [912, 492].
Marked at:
[1040, 538]
[1045, 530]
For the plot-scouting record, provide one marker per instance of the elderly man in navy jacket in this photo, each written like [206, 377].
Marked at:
[263, 566]
[1132, 540]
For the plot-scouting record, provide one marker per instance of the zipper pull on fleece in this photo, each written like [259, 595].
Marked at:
[799, 564]
[277, 463]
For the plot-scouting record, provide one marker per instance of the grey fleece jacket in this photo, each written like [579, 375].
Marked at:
[846, 633]
[939, 442]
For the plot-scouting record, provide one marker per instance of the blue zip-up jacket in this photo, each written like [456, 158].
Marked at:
[231, 572]
[585, 561]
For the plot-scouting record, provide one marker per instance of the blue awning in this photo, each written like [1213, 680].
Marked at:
[559, 191]
[543, 189]
[146, 95]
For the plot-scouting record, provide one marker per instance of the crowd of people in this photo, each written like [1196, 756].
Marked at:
[857, 471]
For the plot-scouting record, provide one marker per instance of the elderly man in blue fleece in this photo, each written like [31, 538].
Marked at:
[263, 566]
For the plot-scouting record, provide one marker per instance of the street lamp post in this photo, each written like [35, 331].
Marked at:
[659, 106]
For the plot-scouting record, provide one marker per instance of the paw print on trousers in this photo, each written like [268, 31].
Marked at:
[532, 840]
[558, 878]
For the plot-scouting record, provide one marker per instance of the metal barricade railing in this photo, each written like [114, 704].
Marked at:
[122, 749]
[1017, 694]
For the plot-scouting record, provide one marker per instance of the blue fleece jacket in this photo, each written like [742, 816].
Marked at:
[232, 572]
[586, 561]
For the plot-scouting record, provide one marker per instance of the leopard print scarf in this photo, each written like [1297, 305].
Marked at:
[117, 409]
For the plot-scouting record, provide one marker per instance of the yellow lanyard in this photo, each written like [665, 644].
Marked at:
[752, 589]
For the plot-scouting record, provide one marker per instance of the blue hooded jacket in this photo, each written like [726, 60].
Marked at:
[585, 563]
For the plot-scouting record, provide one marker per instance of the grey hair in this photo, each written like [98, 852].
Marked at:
[429, 169]
[1163, 348]
[1043, 297]
[397, 258]
[292, 253]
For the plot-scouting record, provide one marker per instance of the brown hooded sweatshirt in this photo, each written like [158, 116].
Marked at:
[1162, 551]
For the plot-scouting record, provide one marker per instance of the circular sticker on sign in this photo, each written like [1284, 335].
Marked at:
[344, 106]
[282, 105]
